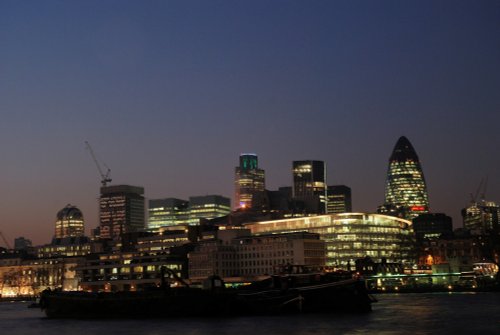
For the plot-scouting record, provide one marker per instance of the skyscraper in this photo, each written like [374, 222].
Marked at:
[121, 210]
[309, 185]
[339, 199]
[249, 183]
[69, 222]
[405, 189]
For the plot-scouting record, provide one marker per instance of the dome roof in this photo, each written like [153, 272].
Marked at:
[403, 151]
[70, 212]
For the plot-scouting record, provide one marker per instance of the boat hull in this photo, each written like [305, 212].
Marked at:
[344, 296]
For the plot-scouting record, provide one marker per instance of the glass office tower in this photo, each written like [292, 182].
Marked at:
[249, 183]
[405, 188]
[309, 185]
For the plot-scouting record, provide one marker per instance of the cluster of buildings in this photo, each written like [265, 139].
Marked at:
[309, 223]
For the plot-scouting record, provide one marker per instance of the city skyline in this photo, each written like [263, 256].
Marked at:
[170, 93]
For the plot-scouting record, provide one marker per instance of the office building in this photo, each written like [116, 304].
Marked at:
[350, 236]
[167, 212]
[69, 222]
[309, 185]
[339, 199]
[405, 189]
[208, 207]
[432, 226]
[482, 217]
[121, 210]
[249, 183]
[235, 253]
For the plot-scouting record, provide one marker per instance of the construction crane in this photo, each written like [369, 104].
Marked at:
[5, 241]
[105, 177]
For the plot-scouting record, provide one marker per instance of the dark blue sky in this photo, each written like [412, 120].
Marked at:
[169, 93]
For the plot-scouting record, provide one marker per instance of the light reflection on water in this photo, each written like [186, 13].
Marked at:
[394, 314]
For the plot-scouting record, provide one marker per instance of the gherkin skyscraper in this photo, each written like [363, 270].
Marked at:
[405, 189]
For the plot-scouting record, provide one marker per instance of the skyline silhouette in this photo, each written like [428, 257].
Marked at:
[169, 93]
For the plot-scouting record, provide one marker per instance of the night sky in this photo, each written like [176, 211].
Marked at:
[169, 93]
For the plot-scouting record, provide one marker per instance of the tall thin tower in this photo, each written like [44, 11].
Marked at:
[249, 183]
[405, 188]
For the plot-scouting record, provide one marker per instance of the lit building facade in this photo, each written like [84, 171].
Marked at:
[350, 236]
[309, 185]
[121, 210]
[405, 188]
[69, 223]
[208, 207]
[482, 217]
[167, 212]
[339, 199]
[127, 271]
[249, 183]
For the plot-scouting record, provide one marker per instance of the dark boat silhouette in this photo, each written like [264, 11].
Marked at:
[290, 293]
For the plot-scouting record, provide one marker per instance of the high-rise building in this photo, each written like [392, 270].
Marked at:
[208, 207]
[309, 185]
[121, 210]
[167, 212]
[249, 183]
[339, 199]
[405, 188]
[69, 222]
[482, 217]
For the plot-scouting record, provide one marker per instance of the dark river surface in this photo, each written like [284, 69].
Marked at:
[422, 313]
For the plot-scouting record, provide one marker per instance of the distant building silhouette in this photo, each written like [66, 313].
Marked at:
[405, 188]
[309, 185]
[339, 199]
[249, 183]
[432, 226]
[69, 222]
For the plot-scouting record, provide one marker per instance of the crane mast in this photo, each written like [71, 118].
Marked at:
[105, 177]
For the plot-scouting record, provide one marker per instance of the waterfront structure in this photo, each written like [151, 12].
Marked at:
[309, 185]
[208, 207]
[167, 212]
[128, 271]
[69, 222]
[121, 210]
[482, 217]
[339, 199]
[350, 236]
[432, 226]
[28, 277]
[405, 188]
[235, 255]
[249, 183]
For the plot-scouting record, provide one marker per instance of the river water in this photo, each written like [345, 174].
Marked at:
[433, 313]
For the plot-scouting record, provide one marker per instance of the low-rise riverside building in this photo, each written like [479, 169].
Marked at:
[28, 277]
[128, 271]
[236, 255]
